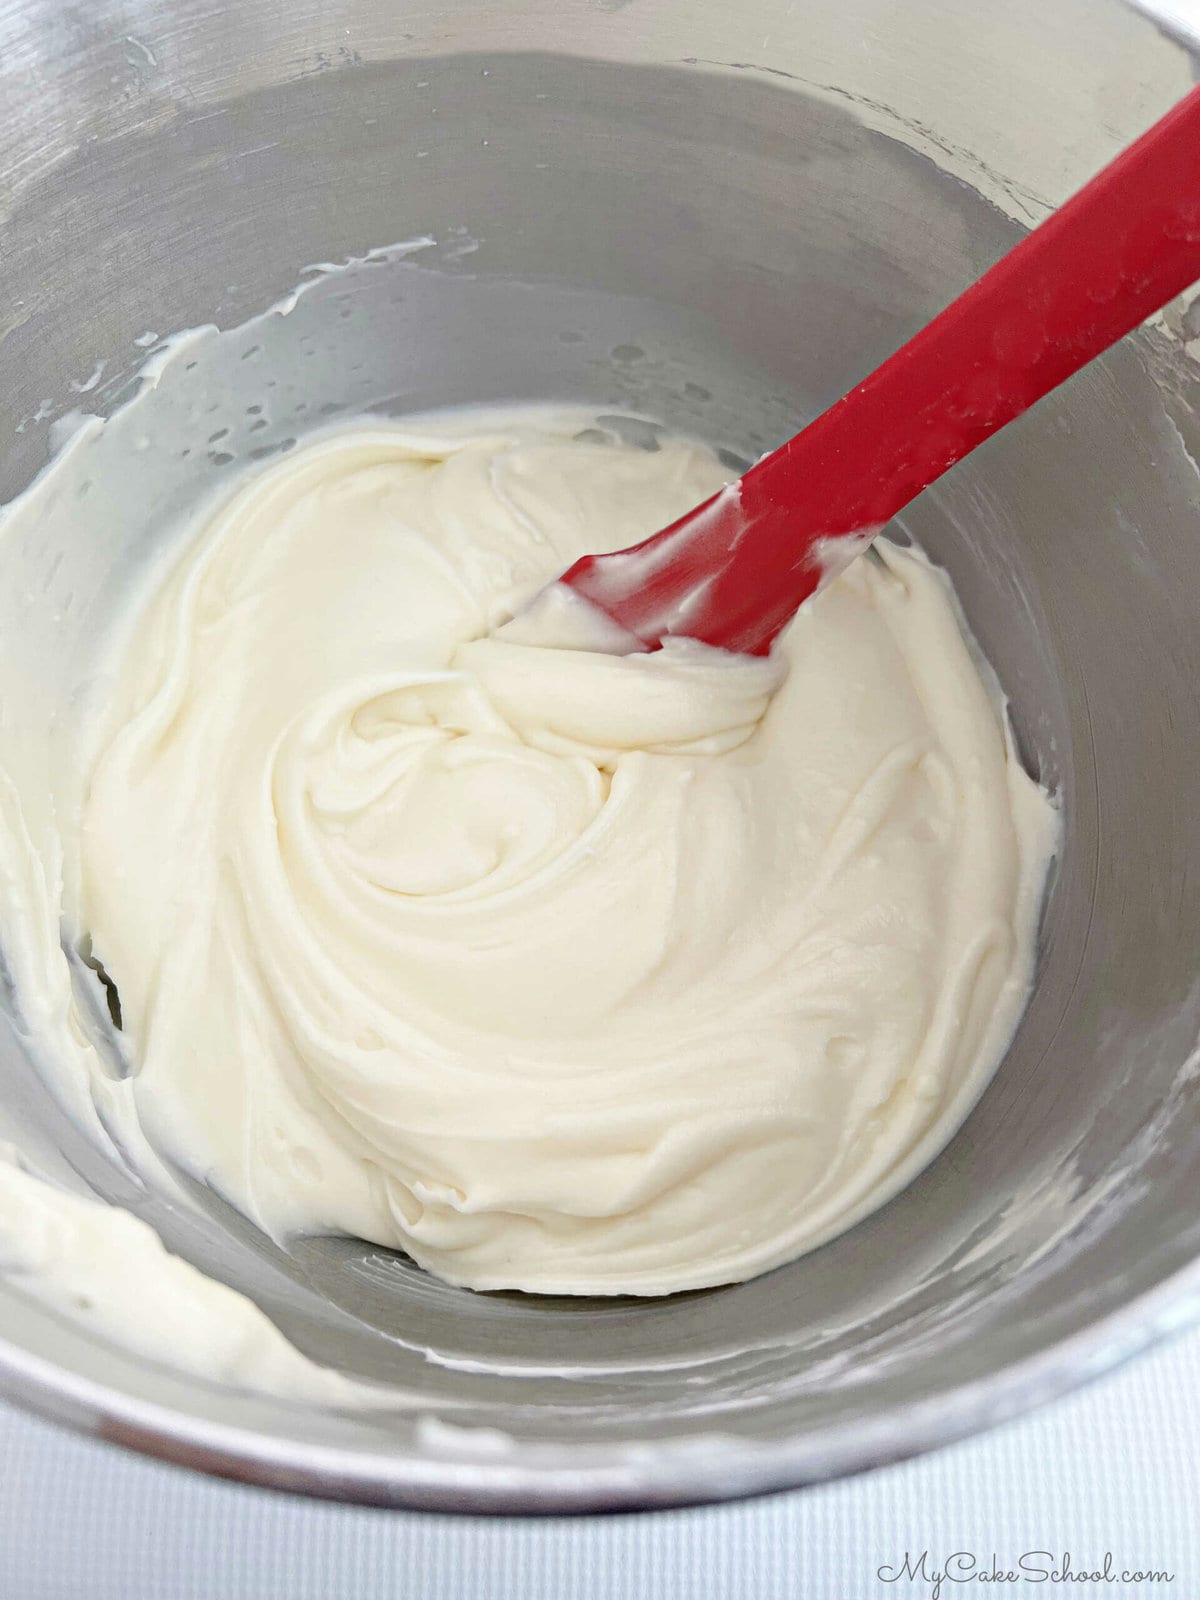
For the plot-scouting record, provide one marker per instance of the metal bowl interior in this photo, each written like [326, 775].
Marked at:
[625, 212]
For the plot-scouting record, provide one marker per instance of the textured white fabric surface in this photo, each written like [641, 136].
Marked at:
[1115, 1468]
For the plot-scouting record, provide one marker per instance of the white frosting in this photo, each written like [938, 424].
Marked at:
[105, 1267]
[559, 970]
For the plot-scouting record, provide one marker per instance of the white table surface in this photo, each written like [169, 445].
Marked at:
[1115, 1468]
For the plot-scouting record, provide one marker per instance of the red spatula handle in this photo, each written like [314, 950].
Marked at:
[733, 572]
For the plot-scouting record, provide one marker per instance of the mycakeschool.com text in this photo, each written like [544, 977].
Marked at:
[921, 1572]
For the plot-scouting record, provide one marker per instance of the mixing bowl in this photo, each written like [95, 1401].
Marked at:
[717, 216]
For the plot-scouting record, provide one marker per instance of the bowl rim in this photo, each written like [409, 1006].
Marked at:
[671, 1474]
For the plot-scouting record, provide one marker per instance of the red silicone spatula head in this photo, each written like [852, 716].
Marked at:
[733, 572]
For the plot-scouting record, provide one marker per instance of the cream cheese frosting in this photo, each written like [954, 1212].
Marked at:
[559, 970]
[84, 1258]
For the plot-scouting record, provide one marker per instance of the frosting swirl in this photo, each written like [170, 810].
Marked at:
[559, 970]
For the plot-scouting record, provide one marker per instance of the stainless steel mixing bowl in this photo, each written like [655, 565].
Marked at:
[721, 215]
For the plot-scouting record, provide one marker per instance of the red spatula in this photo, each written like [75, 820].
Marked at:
[733, 571]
